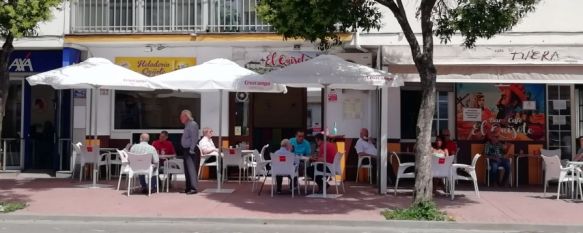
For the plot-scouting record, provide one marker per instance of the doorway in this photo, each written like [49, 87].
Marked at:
[41, 133]
[278, 116]
[12, 137]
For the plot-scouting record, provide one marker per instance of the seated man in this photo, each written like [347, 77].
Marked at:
[144, 148]
[163, 145]
[495, 151]
[447, 142]
[207, 146]
[301, 146]
[284, 150]
[329, 158]
[365, 147]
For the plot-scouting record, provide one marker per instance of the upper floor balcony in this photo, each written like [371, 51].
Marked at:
[165, 16]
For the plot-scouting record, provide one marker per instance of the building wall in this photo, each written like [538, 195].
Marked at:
[547, 18]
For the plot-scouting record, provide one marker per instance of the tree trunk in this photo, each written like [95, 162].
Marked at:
[7, 49]
[423, 190]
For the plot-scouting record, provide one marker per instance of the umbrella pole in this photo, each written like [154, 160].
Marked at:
[219, 157]
[325, 181]
[95, 135]
[219, 189]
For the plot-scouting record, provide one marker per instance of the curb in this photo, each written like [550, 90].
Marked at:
[255, 221]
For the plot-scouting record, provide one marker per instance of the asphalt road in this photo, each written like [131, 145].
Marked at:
[113, 225]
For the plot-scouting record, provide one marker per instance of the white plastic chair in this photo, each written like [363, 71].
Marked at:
[141, 164]
[171, 167]
[75, 159]
[284, 165]
[579, 178]
[441, 168]
[401, 170]
[72, 162]
[556, 172]
[550, 153]
[367, 166]
[88, 157]
[114, 162]
[204, 158]
[124, 167]
[470, 169]
[259, 166]
[232, 158]
[500, 168]
[335, 170]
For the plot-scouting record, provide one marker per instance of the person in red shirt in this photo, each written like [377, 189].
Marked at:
[448, 143]
[163, 145]
[329, 158]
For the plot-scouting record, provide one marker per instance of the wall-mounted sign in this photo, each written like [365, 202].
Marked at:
[35, 61]
[152, 66]
[501, 109]
[332, 96]
[472, 114]
[264, 62]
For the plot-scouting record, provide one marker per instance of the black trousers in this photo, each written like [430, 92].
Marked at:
[279, 180]
[317, 179]
[191, 166]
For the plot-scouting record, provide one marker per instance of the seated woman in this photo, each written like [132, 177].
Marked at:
[440, 151]
[207, 146]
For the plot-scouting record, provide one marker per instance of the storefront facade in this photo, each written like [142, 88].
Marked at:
[526, 93]
[36, 127]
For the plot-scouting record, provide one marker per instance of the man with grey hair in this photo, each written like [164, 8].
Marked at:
[285, 150]
[144, 148]
[190, 151]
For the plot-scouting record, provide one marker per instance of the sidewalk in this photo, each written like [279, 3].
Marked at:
[58, 197]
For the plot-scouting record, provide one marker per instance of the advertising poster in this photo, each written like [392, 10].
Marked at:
[516, 111]
[152, 66]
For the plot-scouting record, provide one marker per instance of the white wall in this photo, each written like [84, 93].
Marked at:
[50, 33]
[549, 16]
[350, 128]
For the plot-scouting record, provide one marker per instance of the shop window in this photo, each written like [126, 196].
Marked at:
[559, 119]
[410, 103]
[153, 110]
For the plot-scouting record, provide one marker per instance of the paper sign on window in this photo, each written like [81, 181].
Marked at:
[529, 105]
[559, 104]
[472, 114]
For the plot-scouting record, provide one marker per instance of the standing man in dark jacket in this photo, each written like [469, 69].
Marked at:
[191, 154]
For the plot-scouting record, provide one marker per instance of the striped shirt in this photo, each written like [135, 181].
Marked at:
[145, 148]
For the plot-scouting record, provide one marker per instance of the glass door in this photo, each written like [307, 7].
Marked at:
[559, 119]
[11, 143]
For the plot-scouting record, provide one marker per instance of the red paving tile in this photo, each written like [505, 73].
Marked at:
[62, 197]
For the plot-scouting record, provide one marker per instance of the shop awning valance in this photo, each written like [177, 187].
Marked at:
[497, 74]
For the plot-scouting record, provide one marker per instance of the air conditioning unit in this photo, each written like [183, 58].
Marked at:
[358, 58]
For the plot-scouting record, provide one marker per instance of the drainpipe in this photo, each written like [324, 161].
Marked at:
[357, 40]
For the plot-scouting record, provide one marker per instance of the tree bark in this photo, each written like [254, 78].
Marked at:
[7, 50]
[423, 59]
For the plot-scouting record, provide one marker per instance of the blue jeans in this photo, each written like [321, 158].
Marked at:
[145, 185]
[494, 165]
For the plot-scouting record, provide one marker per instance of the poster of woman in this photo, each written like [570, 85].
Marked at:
[515, 110]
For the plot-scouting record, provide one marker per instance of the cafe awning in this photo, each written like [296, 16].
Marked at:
[497, 74]
[493, 64]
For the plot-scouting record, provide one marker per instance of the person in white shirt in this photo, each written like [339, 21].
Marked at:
[144, 148]
[207, 146]
[365, 147]
[285, 150]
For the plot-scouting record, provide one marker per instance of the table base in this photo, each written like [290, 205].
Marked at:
[328, 196]
[218, 191]
[94, 186]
